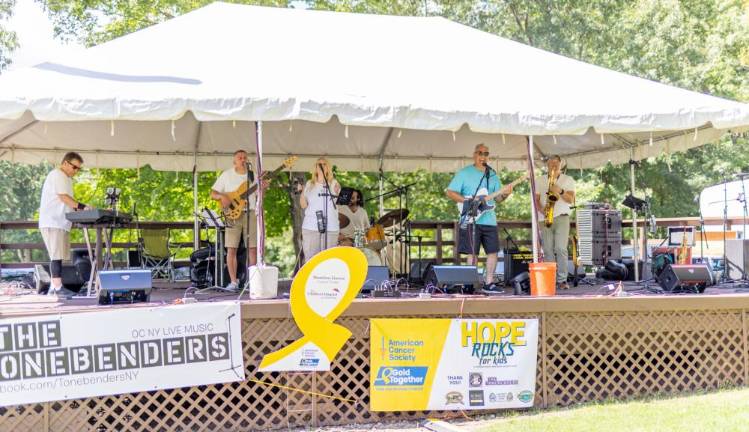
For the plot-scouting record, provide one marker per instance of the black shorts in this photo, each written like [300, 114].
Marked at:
[485, 235]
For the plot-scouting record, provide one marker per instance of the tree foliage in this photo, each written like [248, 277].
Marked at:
[8, 41]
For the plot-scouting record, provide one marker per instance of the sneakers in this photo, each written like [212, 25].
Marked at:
[492, 288]
[60, 292]
[563, 286]
[232, 287]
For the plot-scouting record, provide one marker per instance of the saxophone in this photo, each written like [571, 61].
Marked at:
[551, 199]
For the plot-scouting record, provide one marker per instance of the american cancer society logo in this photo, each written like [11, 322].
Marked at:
[391, 376]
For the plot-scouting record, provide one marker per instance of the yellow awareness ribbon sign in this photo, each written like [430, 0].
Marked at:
[322, 289]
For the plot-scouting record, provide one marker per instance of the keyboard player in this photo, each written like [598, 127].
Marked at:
[57, 200]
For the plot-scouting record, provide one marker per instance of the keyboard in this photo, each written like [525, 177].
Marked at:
[98, 216]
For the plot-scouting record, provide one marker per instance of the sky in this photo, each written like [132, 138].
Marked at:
[34, 32]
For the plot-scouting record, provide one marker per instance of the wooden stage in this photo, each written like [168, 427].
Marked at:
[592, 347]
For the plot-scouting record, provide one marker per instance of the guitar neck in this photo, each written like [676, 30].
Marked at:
[513, 183]
[267, 174]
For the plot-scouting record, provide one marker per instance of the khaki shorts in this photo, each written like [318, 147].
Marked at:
[234, 231]
[57, 242]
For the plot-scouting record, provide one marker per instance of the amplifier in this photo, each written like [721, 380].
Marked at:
[124, 286]
[516, 262]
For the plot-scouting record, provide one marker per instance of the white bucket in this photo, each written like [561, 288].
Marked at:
[263, 282]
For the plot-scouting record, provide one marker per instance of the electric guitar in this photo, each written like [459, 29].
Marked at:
[238, 198]
[484, 201]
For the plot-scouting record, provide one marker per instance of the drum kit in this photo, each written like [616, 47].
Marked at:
[384, 240]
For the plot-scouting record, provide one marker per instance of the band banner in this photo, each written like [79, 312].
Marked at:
[322, 289]
[68, 356]
[452, 364]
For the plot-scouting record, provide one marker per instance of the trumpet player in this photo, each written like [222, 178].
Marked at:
[555, 192]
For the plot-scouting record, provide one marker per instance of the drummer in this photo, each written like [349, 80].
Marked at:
[356, 216]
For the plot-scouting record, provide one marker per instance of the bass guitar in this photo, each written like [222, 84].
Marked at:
[238, 198]
[483, 201]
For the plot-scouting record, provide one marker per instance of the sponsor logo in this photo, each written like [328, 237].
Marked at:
[525, 396]
[401, 376]
[453, 398]
[501, 397]
[476, 397]
[509, 397]
[493, 381]
[309, 362]
[455, 379]
[475, 379]
[492, 397]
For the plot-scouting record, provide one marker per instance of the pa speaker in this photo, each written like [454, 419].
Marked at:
[124, 286]
[462, 278]
[685, 278]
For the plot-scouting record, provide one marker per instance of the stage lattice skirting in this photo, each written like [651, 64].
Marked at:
[590, 349]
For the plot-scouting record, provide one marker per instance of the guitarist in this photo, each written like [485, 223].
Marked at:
[466, 182]
[227, 182]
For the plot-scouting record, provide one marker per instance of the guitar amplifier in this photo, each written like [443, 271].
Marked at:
[516, 262]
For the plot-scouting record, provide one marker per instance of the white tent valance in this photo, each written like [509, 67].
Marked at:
[413, 92]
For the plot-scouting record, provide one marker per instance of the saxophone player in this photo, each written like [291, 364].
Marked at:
[555, 192]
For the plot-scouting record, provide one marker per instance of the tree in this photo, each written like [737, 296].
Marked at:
[8, 41]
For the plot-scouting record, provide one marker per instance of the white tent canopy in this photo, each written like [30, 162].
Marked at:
[411, 92]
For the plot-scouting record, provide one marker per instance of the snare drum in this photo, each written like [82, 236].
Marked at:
[376, 237]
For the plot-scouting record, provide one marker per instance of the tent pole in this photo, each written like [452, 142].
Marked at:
[382, 187]
[196, 222]
[259, 207]
[635, 251]
[534, 210]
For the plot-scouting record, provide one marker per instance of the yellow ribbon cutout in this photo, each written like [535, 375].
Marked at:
[322, 331]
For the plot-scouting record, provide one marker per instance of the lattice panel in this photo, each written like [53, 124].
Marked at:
[595, 356]
[587, 356]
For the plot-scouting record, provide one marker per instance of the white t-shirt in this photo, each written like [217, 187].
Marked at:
[229, 181]
[51, 208]
[359, 220]
[317, 199]
[565, 182]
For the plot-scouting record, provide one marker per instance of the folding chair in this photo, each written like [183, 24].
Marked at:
[155, 253]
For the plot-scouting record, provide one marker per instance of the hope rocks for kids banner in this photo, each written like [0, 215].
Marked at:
[452, 364]
[114, 351]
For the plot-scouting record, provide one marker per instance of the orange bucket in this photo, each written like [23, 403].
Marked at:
[543, 278]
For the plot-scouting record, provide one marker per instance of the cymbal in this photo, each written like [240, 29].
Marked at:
[343, 220]
[393, 217]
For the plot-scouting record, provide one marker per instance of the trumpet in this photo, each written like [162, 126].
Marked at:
[551, 198]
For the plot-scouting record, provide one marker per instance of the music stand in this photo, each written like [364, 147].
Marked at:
[213, 220]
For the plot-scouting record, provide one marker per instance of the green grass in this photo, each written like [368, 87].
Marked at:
[725, 410]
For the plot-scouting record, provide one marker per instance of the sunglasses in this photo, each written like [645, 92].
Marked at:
[485, 154]
[75, 167]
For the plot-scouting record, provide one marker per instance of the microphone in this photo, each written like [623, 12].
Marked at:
[487, 168]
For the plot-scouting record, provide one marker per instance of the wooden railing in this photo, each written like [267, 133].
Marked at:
[436, 237]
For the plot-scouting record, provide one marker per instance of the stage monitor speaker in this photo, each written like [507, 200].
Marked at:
[418, 270]
[515, 262]
[376, 275]
[737, 253]
[124, 286]
[685, 278]
[450, 277]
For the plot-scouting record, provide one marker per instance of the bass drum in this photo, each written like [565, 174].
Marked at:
[395, 257]
[373, 258]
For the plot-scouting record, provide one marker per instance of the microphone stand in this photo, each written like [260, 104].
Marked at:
[325, 209]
